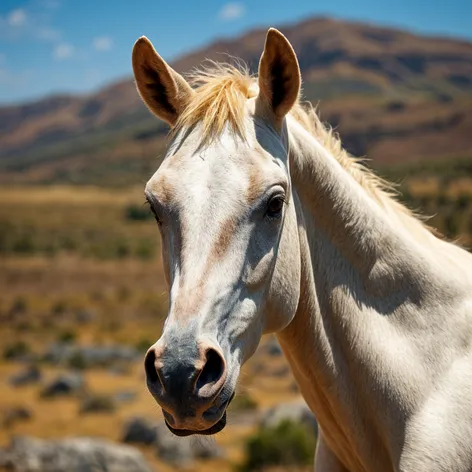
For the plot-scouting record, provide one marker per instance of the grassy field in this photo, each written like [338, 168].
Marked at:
[66, 251]
[69, 251]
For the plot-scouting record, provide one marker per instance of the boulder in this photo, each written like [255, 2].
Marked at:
[125, 396]
[172, 449]
[294, 411]
[26, 454]
[139, 431]
[205, 448]
[281, 371]
[29, 375]
[273, 347]
[182, 451]
[89, 356]
[15, 414]
[179, 452]
[93, 403]
[85, 316]
[63, 385]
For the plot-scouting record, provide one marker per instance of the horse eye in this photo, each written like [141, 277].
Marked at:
[275, 207]
[153, 211]
[158, 221]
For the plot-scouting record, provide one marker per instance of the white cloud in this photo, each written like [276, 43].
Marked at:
[102, 43]
[17, 18]
[232, 11]
[29, 24]
[63, 51]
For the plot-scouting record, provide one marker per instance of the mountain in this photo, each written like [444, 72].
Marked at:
[393, 96]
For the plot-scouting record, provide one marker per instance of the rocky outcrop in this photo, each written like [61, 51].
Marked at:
[170, 448]
[297, 412]
[27, 454]
[63, 385]
[27, 376]
[89, 356]
[139, 431]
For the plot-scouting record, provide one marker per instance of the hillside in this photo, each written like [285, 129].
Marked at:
[393, 96]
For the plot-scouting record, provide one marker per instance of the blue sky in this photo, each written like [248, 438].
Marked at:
[56, 46]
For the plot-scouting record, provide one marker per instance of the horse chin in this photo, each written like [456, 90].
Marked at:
[216, 428]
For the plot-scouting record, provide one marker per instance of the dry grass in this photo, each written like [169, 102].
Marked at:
[61, 417]
[128, 299]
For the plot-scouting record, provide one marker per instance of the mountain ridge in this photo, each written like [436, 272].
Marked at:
[379, 74]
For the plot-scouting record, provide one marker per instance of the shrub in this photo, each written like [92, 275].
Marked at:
[25, 244]
[462, 201]
[442, 199]
[243, 402]
[122, 249]
[143, 344]
[97, 404]
[117, 248]
[145, 249]
[6, 235]
[66, 337]
[451, 225]
[59, 307]
[138, 213]
[68, 243]
[16, 350]
[287, 444]
[19, 305]
[77, 361]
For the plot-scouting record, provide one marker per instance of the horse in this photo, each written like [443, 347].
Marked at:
[269, 226]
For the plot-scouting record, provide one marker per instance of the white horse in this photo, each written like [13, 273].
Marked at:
[267, 225]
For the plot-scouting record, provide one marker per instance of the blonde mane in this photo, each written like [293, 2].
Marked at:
[221, 93]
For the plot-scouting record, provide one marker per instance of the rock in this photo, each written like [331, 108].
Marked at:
[125, 396]
[281, 371]
[273, 347]
[177, 451]
[63, 385]
[119, 369]
[85, 316]
[18, 351]
[182, 451]
[295, 411]
[89, 356]
[97, 404]
[139, 431]
[27, 454]
[29, 375]
[15, 414]
[172, 449]
[205, 448]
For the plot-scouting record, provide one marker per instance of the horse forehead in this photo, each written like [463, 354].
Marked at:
[220, 169]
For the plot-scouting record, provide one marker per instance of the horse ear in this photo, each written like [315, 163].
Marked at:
[279, 75]
[164, 91]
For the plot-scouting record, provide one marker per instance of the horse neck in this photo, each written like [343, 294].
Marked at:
[368, 234]
[357, 264]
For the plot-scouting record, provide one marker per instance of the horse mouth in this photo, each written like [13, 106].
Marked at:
[216, 428]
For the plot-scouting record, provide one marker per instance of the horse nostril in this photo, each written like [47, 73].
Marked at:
[213, 369]
[150, 367]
